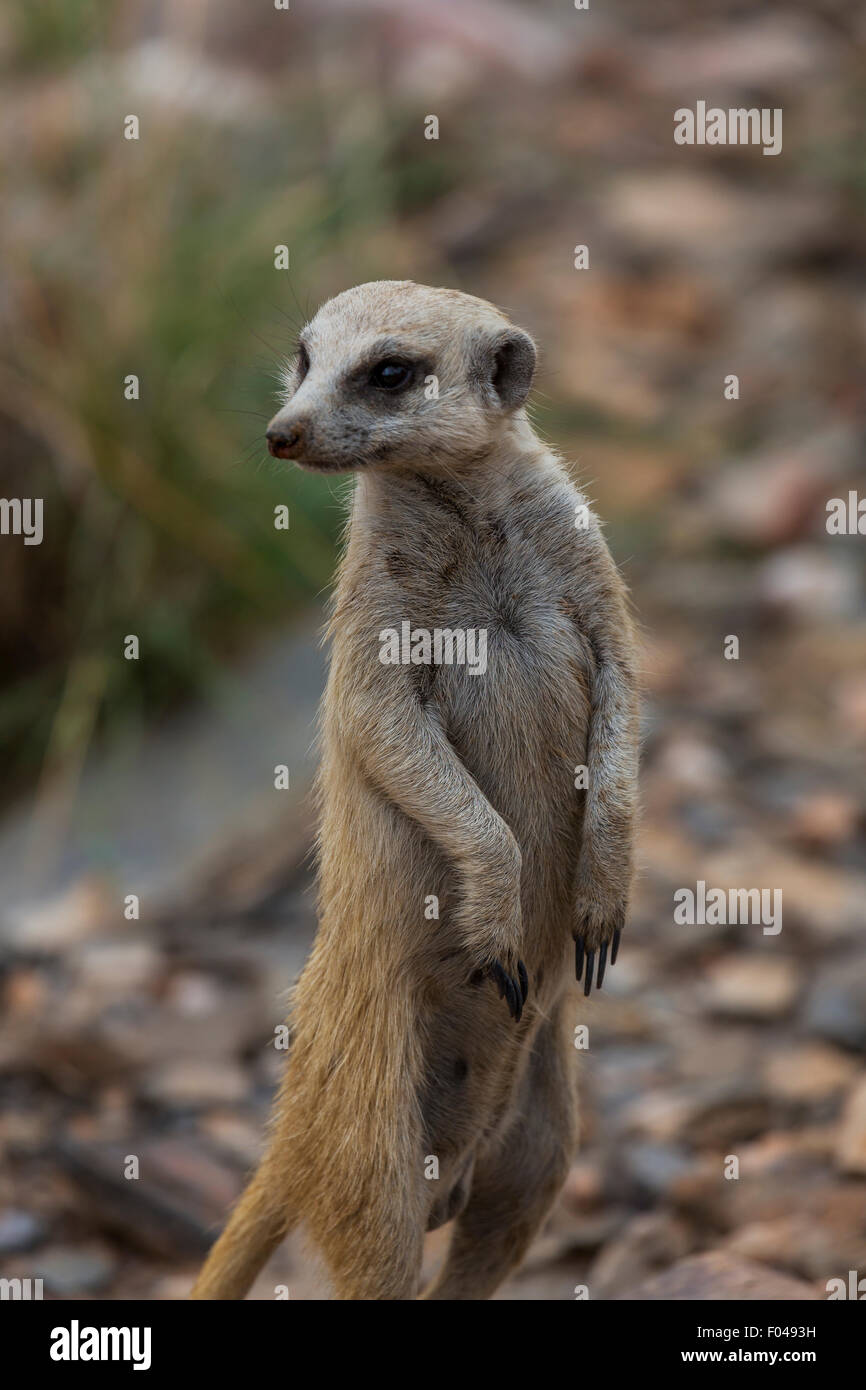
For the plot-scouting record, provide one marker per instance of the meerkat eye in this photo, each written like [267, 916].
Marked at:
[391, 375]
[303, 364]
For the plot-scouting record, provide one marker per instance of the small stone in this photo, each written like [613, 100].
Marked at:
[62, 921]
[195, 1082]
[68, 1270]
[649, 1242]
[805, 584]
[824, 818]
[659, 1114]
[719, 1276]
[588, 1230]
[710, 822]
[796, 1243]
[811, 1224]
[752, 985]
[118, 967]
[584, 1186]
[775, 1241]
[708, 1052]
[850, 702]
[823, 900]
[808, 1071]
[691, 764]
[769, 500]
[194, 993]
[837, 1005]
[761, 51]
[153, 1034]
[682, 215]
[24, 995]
[26, 1131]
[19, 1230]
[653, 1168]
[733, 1111]
[700, 1191]
[776, 1150]
[851, 1147]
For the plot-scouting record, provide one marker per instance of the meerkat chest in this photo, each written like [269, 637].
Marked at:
[489, 620]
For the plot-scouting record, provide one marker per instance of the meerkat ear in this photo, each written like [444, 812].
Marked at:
[512, 367]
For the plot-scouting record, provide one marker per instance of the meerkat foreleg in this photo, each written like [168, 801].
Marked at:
[407, 755]
[604, 870]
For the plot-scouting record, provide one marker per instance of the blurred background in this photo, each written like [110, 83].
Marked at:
[152, 1036]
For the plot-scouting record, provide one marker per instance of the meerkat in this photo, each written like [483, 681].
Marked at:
[465, 872]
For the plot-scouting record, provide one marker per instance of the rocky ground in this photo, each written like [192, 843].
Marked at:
[710, 1043]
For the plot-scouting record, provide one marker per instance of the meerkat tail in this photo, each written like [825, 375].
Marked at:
[255, 1228]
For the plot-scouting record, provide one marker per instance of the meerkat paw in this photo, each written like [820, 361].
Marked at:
[514, 988]
[597, 931]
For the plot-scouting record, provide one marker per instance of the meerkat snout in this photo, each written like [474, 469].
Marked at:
[386, 371]
[285, 442]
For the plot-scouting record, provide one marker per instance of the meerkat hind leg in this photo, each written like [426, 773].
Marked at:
[517, 1178]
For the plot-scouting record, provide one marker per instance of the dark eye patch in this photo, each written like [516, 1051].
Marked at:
[303, 363]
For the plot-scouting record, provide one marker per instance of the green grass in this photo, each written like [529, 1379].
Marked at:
[156, 258]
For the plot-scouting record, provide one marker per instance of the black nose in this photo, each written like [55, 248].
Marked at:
[284, 441]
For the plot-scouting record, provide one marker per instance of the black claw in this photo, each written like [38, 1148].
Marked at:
[616, 936]
[512, 988]
[602, 962]
[578, 957]
[524, 980]
[590, 966]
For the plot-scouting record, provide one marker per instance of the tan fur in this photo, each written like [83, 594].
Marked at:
[436, 781]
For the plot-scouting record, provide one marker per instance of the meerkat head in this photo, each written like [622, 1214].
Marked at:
[397, 374]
